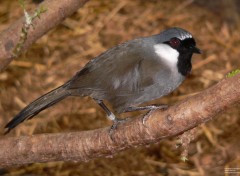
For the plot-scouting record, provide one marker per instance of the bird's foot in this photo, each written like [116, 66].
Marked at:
[153, 108]
[115, 124]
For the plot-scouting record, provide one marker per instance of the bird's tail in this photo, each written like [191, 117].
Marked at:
[38, 105]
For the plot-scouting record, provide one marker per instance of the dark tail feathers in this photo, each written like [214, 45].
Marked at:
[38, 105]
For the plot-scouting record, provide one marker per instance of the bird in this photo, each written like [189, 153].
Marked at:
[126, 76]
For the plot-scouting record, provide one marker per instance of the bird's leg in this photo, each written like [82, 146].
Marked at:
[150, 108]
[110, 116]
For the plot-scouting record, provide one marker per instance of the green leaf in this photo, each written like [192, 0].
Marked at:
[233, 73]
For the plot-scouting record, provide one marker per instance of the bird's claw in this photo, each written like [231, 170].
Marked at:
[147, 115]
[114, 126]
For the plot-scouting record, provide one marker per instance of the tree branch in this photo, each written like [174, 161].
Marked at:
[56, 12]
[86, 145]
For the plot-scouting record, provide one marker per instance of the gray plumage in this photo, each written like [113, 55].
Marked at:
[126, 75]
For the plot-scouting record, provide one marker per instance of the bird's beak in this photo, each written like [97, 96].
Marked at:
[196, 50]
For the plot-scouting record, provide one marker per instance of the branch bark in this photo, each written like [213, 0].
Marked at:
[56, 12]
[86, 145]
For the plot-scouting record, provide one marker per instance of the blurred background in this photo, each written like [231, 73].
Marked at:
[96, 27]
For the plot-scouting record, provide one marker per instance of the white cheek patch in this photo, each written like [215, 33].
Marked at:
[167, 54]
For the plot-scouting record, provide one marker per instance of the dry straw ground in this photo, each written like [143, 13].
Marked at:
[97, 26]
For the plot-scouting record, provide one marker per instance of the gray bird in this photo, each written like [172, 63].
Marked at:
[126, 75]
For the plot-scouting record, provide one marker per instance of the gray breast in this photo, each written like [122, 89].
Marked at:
[164, 83]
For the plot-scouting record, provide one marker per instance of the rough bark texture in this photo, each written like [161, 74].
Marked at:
[86, 145]
[56, 12]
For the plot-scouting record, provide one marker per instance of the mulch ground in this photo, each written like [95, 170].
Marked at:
[99, 25]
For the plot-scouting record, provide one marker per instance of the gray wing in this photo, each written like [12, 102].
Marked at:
[122, 71]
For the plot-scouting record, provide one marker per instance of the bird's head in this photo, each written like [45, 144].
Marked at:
[176, 47]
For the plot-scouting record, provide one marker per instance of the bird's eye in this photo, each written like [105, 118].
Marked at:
[174, 42]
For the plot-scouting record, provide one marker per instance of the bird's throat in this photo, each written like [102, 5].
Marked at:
[184, 64]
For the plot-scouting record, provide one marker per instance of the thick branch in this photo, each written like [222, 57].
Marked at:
[86, 145]
[56, 12]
